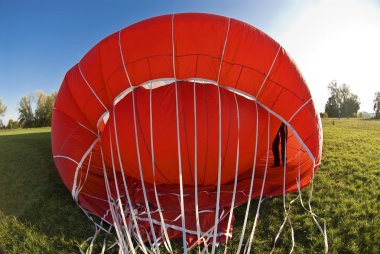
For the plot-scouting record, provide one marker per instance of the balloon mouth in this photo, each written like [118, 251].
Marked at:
[150, 111]
[157, 83]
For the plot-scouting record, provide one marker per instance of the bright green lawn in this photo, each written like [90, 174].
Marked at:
[37, 214]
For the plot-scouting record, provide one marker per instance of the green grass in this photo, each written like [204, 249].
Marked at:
[37, 214]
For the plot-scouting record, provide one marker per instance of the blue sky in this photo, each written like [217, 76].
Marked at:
[41, 40]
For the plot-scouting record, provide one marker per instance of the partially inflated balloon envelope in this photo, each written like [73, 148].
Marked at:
[166, 126]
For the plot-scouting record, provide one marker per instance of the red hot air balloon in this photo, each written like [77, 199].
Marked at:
[166, 126]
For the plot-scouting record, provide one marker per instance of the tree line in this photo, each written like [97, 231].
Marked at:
[29, 118]
[343, 103]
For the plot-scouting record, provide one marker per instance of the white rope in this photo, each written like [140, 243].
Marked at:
[324, 231]
[216, 222]
[141, 173]
[196, 169]
[269, 71]
[236, 172]
[166, 239]
[82, 125]
[314, 216]
[122, 60]
[140, 242]
[111, 205]
[248, 246]
[92, 90]
[299, 109]
[137, 147]
[119, 200]
[74, 191]
[286, 218]
[179, 149]
[81, 185]
[251, 184]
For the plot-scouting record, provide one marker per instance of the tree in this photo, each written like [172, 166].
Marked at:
[376, 105]
[26, 116]
[333, 104]
[341, 103]
[3, 108]
[44, 109]
[13, 124]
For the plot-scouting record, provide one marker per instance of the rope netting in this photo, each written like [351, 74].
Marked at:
[144, 226]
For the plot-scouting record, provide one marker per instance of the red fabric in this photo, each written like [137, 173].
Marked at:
[147, 50]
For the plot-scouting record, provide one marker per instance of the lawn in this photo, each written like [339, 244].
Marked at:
[37, 214]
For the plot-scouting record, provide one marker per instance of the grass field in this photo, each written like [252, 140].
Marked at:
[37, 214]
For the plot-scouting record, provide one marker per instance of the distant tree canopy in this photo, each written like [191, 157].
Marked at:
[376, 105]
[44, 108]
[3, 108]
[341, 103]
[42, 115]
[13, 124]
[26, 115]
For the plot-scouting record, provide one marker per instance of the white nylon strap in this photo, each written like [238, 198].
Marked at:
[196, 169]
[252, 181]
[248, 246]
[216, 222]
[166, 238]
[127, 230]
[138, 148]
[112, 208]
[269, 71]
[298, 110]
[92, 90]
[286, 218]
[142, 174]
[236, 172]
[140, 242]
[179, 148]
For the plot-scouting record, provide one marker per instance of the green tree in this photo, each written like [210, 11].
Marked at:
[44, 109]
[376, 105]
[3, 108]
[342, 102]
[12, 124]
[333, 103]
[26, 115]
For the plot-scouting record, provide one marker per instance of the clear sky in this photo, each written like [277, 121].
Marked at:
[328, 39]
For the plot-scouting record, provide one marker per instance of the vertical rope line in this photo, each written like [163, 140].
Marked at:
[111, 204]
[324, 232]
[313, 215]
[252, 181]
[140, 241]
[138, 149]
[179, 147]
[286, 218]
[269, 71]
[196, 168]
[165, 238]
[216, 222]
[92, 90]
[119, 200]
[236, 172]
[248, 246]
[141, 173]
